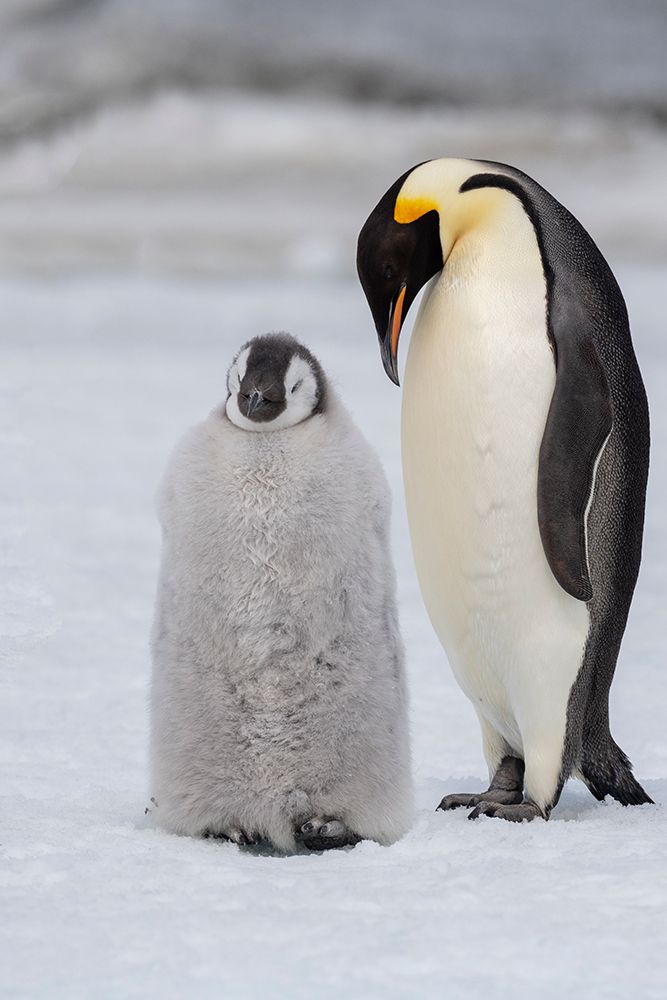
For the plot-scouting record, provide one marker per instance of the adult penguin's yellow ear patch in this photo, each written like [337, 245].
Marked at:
[409, 209]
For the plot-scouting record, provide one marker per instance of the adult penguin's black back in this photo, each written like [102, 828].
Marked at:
[586, 306]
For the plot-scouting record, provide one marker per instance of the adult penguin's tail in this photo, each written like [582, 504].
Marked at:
[607, 771]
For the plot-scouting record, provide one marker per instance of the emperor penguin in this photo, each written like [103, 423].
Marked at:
[525, 443]
[278, 702]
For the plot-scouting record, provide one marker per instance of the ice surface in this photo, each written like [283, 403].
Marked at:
[99, 377]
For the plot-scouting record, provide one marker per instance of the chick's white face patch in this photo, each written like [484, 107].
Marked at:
[301, 395]
[237, 371]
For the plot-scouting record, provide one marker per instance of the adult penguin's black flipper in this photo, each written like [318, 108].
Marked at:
[578, 424]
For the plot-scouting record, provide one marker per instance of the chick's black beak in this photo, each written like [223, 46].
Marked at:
[389, 340]
[255, 401]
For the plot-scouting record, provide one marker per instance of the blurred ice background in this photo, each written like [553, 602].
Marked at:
[175, 177]
[226, 138]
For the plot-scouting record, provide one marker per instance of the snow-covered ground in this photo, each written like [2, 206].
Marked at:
[99, 377]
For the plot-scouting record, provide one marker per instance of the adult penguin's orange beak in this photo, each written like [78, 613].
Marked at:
[389, 341]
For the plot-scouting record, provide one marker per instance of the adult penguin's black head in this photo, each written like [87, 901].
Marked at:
[394, 261]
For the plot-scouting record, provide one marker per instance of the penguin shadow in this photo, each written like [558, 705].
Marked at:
[262, 850]
[576, 802]
[265, 849]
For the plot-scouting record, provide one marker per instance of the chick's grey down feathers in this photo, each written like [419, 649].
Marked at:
[278, 688]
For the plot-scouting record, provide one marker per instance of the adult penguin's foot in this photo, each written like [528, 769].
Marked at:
[506, 789]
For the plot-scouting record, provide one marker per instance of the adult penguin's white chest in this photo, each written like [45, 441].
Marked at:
[478, 383]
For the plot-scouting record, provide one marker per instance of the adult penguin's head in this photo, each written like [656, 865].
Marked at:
[396, 256]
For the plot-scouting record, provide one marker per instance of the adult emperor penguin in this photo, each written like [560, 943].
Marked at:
[525, 440]
[279, 706]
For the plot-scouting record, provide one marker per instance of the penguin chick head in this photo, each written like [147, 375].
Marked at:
[274, 382]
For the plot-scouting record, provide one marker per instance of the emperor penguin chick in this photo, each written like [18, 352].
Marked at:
[279, 705]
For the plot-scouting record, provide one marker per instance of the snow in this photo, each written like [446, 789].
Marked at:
[100, 375]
